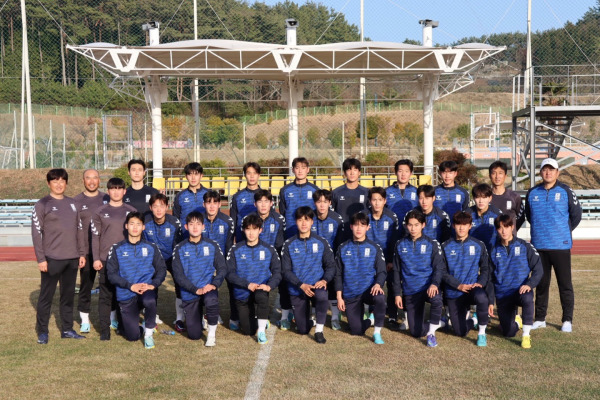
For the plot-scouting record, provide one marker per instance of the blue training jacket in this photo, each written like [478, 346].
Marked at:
[220, 230]
[331, 228]
[291, 197]
[437, 224]
[196, 265]
[272, 230]
[451, 199]
[467, 262]
[306, 261]
[130, 263]
[418, 264]
[401, 201]
[384, 231]
[187, 201]
[513, 266]
[165, 235]
[242, 204]
[252, 264]
[552, 214]
[360, 265]
[483, 226]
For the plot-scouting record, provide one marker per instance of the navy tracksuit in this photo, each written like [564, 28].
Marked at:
[401, 201]
[196, 265]
[348, 202]
[165, 236]
[329, 228]
[291, 197]
[242, 204]
[360, 265]
[467, 262]
[513, 266]
[307, 261]
[130, 263]
[483, 225]
[187, 201]
[418, 264]
[437, 224]
[221, 230]
[451, 199]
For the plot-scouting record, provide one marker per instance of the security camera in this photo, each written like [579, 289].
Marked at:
[151, 25]
[291, 23]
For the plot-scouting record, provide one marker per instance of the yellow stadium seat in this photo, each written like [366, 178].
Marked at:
[277, 182]
[366, 181]
[263, 182]
[336, 181]
[173, 183]
[382, 181]
[424, 179]
[217, 183]
[232, 185]
[158, 183]
[322, 181]
[184, 184]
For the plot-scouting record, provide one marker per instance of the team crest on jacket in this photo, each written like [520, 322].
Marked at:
[413, 196]
[386, 225]
[330, 228]
[367, 252]
[167, 232]
[272, 228]
[458, 198]
[517, 251]
[471, 250]
[309, 194]
[362, 198]
[508, 204]
[423, 249]
[221, 229]
[147, 198]
[491, 221]
[206, 251]
[315, 247]
[434, 223]
[557, 197]
[261, 255]
[144, 252]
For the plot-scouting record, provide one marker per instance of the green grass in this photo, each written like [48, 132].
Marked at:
[559, 366]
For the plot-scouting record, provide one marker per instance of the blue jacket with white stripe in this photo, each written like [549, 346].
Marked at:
[187, 201]
[272, 230]
[437, 224]
[331, 228]
[418, 264]
[220, 230]
[451, 199]
[467, 262]
[483, 226]
[401, 201]
[360, 265]
[165, 235]
[242, 204]
[384, 232]
[291, 197]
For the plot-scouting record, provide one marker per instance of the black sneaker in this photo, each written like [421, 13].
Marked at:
[179, 326]
[42, 338]
[319, 338]
[71, 335]
[393, 324]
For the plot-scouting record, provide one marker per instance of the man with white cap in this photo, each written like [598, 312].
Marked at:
[553, 212]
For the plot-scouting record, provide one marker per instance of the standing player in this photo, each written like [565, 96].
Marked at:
[308, 266]
[87, 203]
[553, 212]
[402, 196]
[164, 230]
[138, 194]
[438, 222]
[136, 268]
[296, 194]
[515, 271]
[418, 269]
[191, 198]
[351, 197]
[199, 269]
[242, 203]
[360, 275]
[483, 215]
[254, 268]
[107, 229]
[450, 197]
[60, 250]
[506, 200]
[465, 279]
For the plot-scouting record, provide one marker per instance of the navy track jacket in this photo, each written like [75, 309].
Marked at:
[220, 230]
[437, 224]
[331, 228]
[187, 201]
[384, 232]
[467, 262]
[401, 201]
[360, 265]
[451, 199]
[483, 226]
[242, 204]
[130, 263]
[291, 197]
[272, 230]
[165, 235]
[418, 264]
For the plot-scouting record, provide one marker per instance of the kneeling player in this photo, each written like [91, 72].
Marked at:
[516, 271]
[254, 268]
[360, 275]
[308, 265]
[199, 269]
[136, 268]
[418, 270]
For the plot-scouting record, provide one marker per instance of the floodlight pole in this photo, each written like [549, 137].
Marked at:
[363, 114]
[195, 96]
[292, 93]
[528, 67]
[429, 95]
[26, 93]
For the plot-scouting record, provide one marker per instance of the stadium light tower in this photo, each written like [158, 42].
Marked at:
[429, 86]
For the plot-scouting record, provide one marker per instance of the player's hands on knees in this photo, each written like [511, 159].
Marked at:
[491, 310]
[252, 286]
[97, 265]
[398, 301]
[376, 289]
[81, 262]
[307, 289]
[432, 291]
[524, 289]
[265, 287]
[463, 287]
[322, 284]
[43, 266]
[137, 288]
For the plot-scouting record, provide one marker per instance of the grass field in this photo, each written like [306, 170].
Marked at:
[559, 366]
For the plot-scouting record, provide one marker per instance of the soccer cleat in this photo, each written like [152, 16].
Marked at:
[335, 324]
[234, 325]
[431, 341]
[567, 326]
[284, 324]
[377, 338]
[114, 324]
[538, 324]
[393, 324]
[179, 326]
[84, 328]
[149, 342]
[211, 341]
[519, 321]
[319, 338]
[42, 338]
[262, 338]
[71, 335]
[526, 342]
[158, 320]
[105, 336]
[372, 318]
[482, 340]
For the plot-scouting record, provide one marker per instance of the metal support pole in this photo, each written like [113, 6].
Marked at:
[64, 146]
[472, 141]
[430, 83]
[156, 93]
[513, 154]
[532, 147]
[95, 146]
[244, 132]
[51, 147]
[343, 139]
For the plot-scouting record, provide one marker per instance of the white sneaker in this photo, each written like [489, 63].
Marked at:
[567, 326]
[158, 320]
[538, 324]
[211, 341]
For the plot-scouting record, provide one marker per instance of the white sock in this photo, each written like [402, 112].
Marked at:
[212, 330]
[285, 314]
[319, 328]
[179, 310]
[148, 332]
[334, 310]
[262, 325]
[113, 315]
[482, 329]
[526, 330]
[85, 317]
[433, 328]
[377, 329]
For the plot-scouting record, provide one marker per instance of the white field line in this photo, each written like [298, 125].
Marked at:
[260, 367]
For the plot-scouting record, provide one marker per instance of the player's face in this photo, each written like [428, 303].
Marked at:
[57, 186]
[252, 234]
[252, 176]
[403, 174]
[352, 175]
[483, 203]
[414, 228]
[425, 202]
[304, 224]
[212, 207]
[301, 171]
[498, 176]
[195, 228]
[194, 179]
[263, 206]
[159, 209]
[377, 202]
[91, 180]
[116, 194]
[359, 231]
[137, 172]
[448, 177]
[549, 174]
[134, 227]
[462, 231]
[505, 232]
[322, 205]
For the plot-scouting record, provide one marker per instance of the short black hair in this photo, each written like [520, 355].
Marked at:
[212, 195]
[498, 164]
[351, 162]
[462, 218]
[57, 173]
[135, 214]
[427, 190]
[377, 190]
[304, 211]
[322, 193]
[193, 166]
[359, 217]
[115, 183]
[158, 197]
[416, 214]
[252, 220]
[251, 164]
[407, 162]
[482, 190]
[194, 215]
[136, 161]
[299, 160]
[260, 193]
[448, 164]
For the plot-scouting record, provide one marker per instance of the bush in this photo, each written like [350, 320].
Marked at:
[280, 166]
[261, 140]
[122, 173]
[214, 163]
[377, 159]
[467, 172]
[335, 137]
[313, 136]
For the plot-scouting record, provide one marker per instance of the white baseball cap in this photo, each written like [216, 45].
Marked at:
[551, 162]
